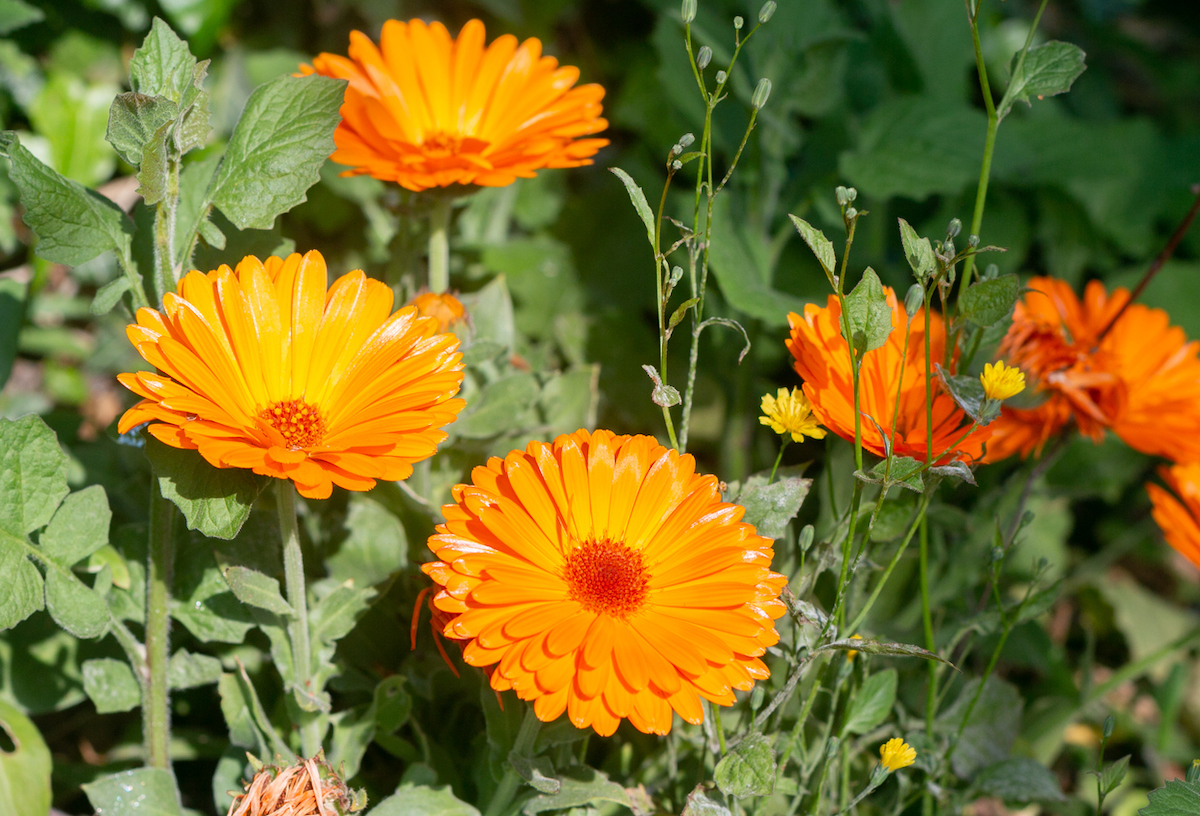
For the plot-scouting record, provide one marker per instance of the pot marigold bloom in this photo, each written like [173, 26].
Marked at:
[1001, 382]
[262, 368]
[603, 576]
[1179, 518]
[1141, 379]
[307, 788]
[445, 308]
[896, 754]
[425, 110]
[823, 362]
[790, 413]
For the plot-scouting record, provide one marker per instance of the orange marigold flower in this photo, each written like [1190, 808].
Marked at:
[1141, 379]
[445, 308]
[823, 361]
[603, 576]
[1179, 518]
[261, 368]
[425, 110]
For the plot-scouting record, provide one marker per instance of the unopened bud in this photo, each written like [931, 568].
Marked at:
[721, 77]
[842, 194]
[914, 299]
[851, 193]
[851, 213]
[677, 165]
[992, 271]
[676, 150]
[756, 697]
[686, 140]
[832, 746]
[1193, 773]
[997, 555]
[704, 57]
[1110, 722]
[767, 11]
[688, 11]
[762, 91]
[806, 537]
[738, 22]
[972, 241]
[954, 228]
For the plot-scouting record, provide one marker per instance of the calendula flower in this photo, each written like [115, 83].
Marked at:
[823, 361]
[1179, 518]
[445, 308]
[603, 576]
[307, 788]
[789, 412]
[1141, 379]
[425, 110]
[262, 368]
[1001, 382]
[896, 754]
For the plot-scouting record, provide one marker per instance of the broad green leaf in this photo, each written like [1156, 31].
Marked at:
[638, 199]
[239, 721]
[491, 311]
[749, 769]
[577, 788]
[202, 600]
[186, 670]
[111, 685]
[991, 729]
[968, 393]
[770, 507]
[504, 405]
[569, 400]
[23, 592]
[256, 589]
[16, 14]
[351, 732]
[393, 704]
[71, 115]
[73, 224]
[1113, 774]
[918, 251]
[699, 803]
[1049, 69]
[821, 246]
[145, 791]
[419, 800]
[1019, 779]
[109, 295]
[277, 148]
[1176, 798]
[133, 121]
[375, 547]
[163, 65]
[12, 311]
[987, 302]
[79, 527]
[869, 315]
[33, 474]
[903, 471]
[332, 618]
[74, 605]
[537, 771]
[871, 704]
[25, 770]
[743, 260]
[214, 502]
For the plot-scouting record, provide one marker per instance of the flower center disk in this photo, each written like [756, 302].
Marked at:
[608, 577]
[299, 423]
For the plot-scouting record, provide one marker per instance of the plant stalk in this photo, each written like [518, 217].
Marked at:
[293, 575]
[160, 570]
[439, 245]
[166, 271]
[511, 782]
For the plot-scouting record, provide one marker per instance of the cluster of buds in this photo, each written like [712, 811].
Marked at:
[310, 787]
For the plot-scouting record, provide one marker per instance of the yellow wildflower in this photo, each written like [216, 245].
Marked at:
[850, 653]
[896, 754]
[790, 413]
[1001, 382]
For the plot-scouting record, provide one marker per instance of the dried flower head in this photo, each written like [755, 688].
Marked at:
[896, 754]
[790, 412]
[1001, 382]
[307, 788]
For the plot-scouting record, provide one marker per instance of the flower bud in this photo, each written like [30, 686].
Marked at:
[686, 140]
[721, 77]
[756, 697]
[851, 194]
[738, 22]
[807, 533]
[767, 11]
[1110, 722]
[851, 213]
[688, 11]
[704, 57]
[842, 195]
[914, 299]
[992, 271]
[954, 228]
[762, 91]
[972, 241]
[675, 150]
[677, 165]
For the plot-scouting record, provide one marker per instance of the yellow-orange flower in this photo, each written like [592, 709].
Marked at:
[261, 368]
[1179, 518]
[427, 110]
[1001, 382]
[789, 412]
[823, 361]
[1141, 379]
[445, 308]
[896, 754]
[603, 576]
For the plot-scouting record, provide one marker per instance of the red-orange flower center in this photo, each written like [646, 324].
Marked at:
[608, 577]
[299, 423]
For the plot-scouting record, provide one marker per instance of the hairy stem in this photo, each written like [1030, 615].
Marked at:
[293, 575]
[160, 570]
[511, 782]
[439, 245]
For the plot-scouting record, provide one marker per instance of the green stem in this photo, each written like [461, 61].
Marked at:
[887, 573]
[166, 271]
[989, 145]
[439, 245]
[293, 575]
[930, 645]
[782, 447]
[511, 782]
[160, 569]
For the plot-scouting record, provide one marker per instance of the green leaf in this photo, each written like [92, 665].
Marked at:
[350, 735]
[332, 618]
[1019, 779]
[968, 393]
[202, 600]
[880, 647]
[71, 115]
[821, 246]
[23, 592]
[904, 471]
[770, 507]
[918, 251]
[256, 589]
[33, 474]
[1114, 774]
[163, 65]
[133, 121]
[744, 262]
[419, 800]
[868, 312]
[216, 502]
[79, 528]
[504, 405]
[1049, 69]
[73, 224]
[747, 770]
[374, 548]
[25, 770]
[537, 771]
[681, 312]
[991, 729]
[699, 803]
[12, 311]
[239, 720]
[75, 606]
[393, 704]
[987, 302]
[871, 704]
[16, 14]
[638, 198]
[577, 788]
[145, 791]
[111, 685]
[186, 670]
[109, 295]
[1176, 798]
[277, 148]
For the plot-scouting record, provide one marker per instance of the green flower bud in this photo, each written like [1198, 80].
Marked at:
[721, 77]
[762, 91]
[767, 11]
[806, 537]
[851, 213]
[686, 140]
[688, 12]
[972, 241]
[851, 194]
[1110, 722]
[704, 57]
[842, 194]
[954, 228]
[914, 299]
[992, 271]
[738, 22]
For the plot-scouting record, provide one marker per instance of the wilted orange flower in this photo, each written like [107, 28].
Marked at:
[603, 576]
[444, 307]
[307, 788]
[1179, 518]
[261, 368]
[1141, 379]
[823, 361]
[425, 110]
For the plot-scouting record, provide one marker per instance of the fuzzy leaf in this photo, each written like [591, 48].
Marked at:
[1019, 779]
[186, 670]
[1049, 69]
[111, 685]
[871, 703]
[145, 791]
[74, 605]
[747, 770]
[577, 789]
[419, 800]
[638, 198]
[25, 770]
[869, 314]
[918, 251]
[23, 591]
[163, 65]
[821, 246]
[133, 121]
[968, 393]
[79, 528]
[214, 502]
[33, 474]
[256, 589]
[904, 471]
[987, 302]
[1176, 798]
[109, 295]
[770, 507]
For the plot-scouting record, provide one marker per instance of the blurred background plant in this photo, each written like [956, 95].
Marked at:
[556, 272]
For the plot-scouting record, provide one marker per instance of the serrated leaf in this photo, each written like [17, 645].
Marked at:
[770, 507]
[133, 121]
[578, 788]
[33, 474]
[1176, 798]
[1019, 779]
[25, 770]
[186, 670]
[987, 302]
[871, 704]
[214, 502]
[145, 791]
[1048, 69]
[869, 315]
[638, 199]
[904, 471]
[109, 295]
[968, 393]
[111, 685]
[918, 251]
[420, 800]
[747, 770]
[163, 65]
[79, 527]
[699, 803]
[256, 589]
[821, 246]
[16, 14]
[75, 606]
[277, 148]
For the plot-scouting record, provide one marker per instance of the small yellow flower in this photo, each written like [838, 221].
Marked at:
[850, 653]
[790, 413]
[1001, 382]
[896, 754]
